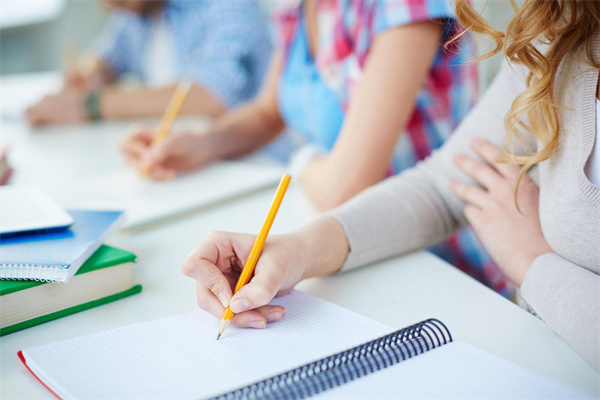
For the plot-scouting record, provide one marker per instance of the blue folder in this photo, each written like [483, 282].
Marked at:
[56, 256]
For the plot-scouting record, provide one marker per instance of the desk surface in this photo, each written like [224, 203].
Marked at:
[396, 292]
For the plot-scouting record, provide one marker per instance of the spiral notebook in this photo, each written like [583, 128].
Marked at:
[56, 256]
[317, 350]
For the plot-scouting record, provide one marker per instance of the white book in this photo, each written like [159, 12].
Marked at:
[148, 202]
[178, 357]
[20, 91]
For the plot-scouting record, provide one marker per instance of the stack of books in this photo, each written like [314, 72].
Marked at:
[48, 275]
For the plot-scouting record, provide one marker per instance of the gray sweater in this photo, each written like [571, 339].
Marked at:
[416, 208]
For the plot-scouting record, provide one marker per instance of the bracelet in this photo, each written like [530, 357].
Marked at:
[92, 106]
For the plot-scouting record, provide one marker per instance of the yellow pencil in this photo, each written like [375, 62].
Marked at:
[256, 248]
[181, 92]
[173, 108]
[69, 54]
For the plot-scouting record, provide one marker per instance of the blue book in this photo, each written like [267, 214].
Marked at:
[56, 256]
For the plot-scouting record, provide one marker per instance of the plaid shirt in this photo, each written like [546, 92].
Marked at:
[223, 46]
[347, 29]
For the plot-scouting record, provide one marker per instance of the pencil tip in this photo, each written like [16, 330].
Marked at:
[218, 336]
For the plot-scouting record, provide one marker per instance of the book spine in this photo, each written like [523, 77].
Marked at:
[35, 272]
[316, 377]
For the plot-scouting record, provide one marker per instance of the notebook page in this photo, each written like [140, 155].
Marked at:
[148, 201]
[21, 91]
[179, 356]
[454, 371]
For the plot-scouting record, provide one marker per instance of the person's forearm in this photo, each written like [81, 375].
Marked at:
[118, 103]
[325, 244]
[328, 185]
[243, 130]
[381, 107]
[417, 208]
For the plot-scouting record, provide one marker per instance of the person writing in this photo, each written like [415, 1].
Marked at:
[222, 47]
[371, 89]
[544, 107]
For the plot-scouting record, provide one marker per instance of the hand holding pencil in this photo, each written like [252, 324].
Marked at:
[162, 153]
[217, 264]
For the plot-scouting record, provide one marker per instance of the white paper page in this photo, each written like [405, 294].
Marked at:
[179, 357]
[147, 201]
[18, 92]
[454, 371]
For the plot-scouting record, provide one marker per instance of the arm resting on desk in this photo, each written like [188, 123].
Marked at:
[118, 103]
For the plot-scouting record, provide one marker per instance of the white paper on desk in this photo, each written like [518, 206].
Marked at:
[179, 357]
[20, 91]
[147, 201]
[455, 371]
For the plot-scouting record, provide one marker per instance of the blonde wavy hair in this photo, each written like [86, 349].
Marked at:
[560, 25]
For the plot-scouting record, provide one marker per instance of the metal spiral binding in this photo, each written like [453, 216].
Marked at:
[338, 369]
[42, 273]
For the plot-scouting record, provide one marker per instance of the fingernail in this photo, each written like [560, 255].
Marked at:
[256, 324]
[240, 305]
[223, 299]
[273, 316]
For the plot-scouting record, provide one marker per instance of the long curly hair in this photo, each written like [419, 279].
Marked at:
[559, 26]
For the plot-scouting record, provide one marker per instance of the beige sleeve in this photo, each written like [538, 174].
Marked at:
[566, 297]
[416, 208]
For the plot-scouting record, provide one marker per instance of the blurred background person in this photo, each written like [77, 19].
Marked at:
[370, 88]
[223, 47]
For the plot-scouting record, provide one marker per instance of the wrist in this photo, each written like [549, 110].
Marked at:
[528, 262]
[202, 149]
[324, 247]
[92, 105]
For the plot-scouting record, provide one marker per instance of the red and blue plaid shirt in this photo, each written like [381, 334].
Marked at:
[347, 30]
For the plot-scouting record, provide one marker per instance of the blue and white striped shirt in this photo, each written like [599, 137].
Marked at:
[223, 46]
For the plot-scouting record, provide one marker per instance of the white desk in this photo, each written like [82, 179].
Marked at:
[397, 292]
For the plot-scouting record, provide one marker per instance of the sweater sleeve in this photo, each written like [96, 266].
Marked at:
[567, 298]
[416, 209]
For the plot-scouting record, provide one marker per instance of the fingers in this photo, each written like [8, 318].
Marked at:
[474, 215]
[257, 318]
[470, 193]
[215, 265]
[35, 114]
[482, 173]
[210, 277]
[158, 172]
[259, 291]
[137, 142]
[492, 154]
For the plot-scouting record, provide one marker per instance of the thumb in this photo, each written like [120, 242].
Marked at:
[259, 292]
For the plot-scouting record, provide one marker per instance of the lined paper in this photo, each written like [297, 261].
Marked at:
[179, 357]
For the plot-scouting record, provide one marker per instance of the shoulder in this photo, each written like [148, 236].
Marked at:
[244, 13]
[385, 14]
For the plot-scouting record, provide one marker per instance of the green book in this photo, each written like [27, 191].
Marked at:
[106, 276]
